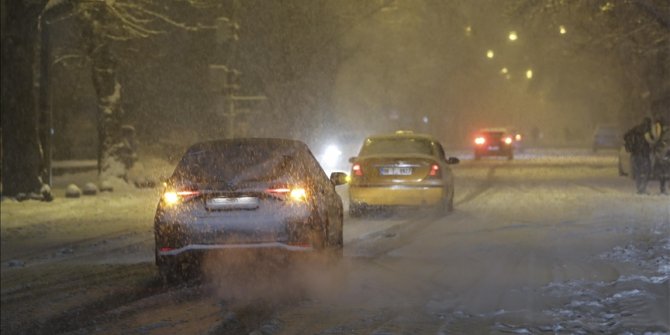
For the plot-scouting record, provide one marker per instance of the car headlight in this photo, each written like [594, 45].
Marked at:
[331, 155]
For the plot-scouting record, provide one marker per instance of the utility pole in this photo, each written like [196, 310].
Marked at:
[226, 82]
[225, 78]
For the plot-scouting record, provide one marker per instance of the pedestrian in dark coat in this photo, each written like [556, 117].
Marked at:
[640, 151]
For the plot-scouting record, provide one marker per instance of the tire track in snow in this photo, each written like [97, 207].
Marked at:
[482, 187]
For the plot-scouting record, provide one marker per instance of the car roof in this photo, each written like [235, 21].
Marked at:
[494, 129]
[217, 145]
[403, 134]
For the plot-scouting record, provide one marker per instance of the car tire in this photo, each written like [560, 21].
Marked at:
[337, 249]
[330, 249]
[356, 210]
[450, 202]
[510, 156]
[170, 271]
[443, 207]
[336, 252]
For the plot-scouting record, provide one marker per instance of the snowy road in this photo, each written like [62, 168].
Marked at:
[550, 243]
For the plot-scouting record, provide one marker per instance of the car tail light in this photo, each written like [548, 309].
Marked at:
[279, 190]
[356, 168]
[175, 197]
[165, 249]
[434, 170]
[480, 140]
[508, 140]
[297, 194]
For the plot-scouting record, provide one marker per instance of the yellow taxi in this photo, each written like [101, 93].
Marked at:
[401, 169]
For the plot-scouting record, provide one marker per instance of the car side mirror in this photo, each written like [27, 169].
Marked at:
[352, 159]
[453, 160]
[338, 178]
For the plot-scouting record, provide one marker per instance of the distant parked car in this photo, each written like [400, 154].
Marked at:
[607, 137]
[260, 194]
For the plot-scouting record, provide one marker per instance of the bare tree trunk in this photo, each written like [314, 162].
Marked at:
[110, 113]
[21, 150]
[112, 148]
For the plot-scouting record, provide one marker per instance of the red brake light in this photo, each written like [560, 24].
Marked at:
[434, 170]
[480, 140]
[280, 190]
[356, 168]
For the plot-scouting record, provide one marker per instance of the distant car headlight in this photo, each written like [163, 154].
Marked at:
[331, 155]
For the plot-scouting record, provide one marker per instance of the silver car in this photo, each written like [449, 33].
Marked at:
[226, 195]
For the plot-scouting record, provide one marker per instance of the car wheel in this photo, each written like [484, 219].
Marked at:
[331, 247]
[337, 247]
[336, 252]
[510, 156]
[170, 271]
[446, 205]
[356, 210]
[450, 202]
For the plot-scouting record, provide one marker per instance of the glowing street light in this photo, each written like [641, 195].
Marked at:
[529, 74]
[468, 31]
[489, 54]
[504, 70]
[562, 30]
[512, 36]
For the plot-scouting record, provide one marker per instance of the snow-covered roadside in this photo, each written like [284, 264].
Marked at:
[604, 250]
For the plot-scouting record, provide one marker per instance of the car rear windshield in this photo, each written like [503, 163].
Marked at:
[382, 146]
[494, 134]
[239, 162]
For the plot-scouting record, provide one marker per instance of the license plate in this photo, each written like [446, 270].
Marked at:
[395, 171]
[494, 147]
[230, 203]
